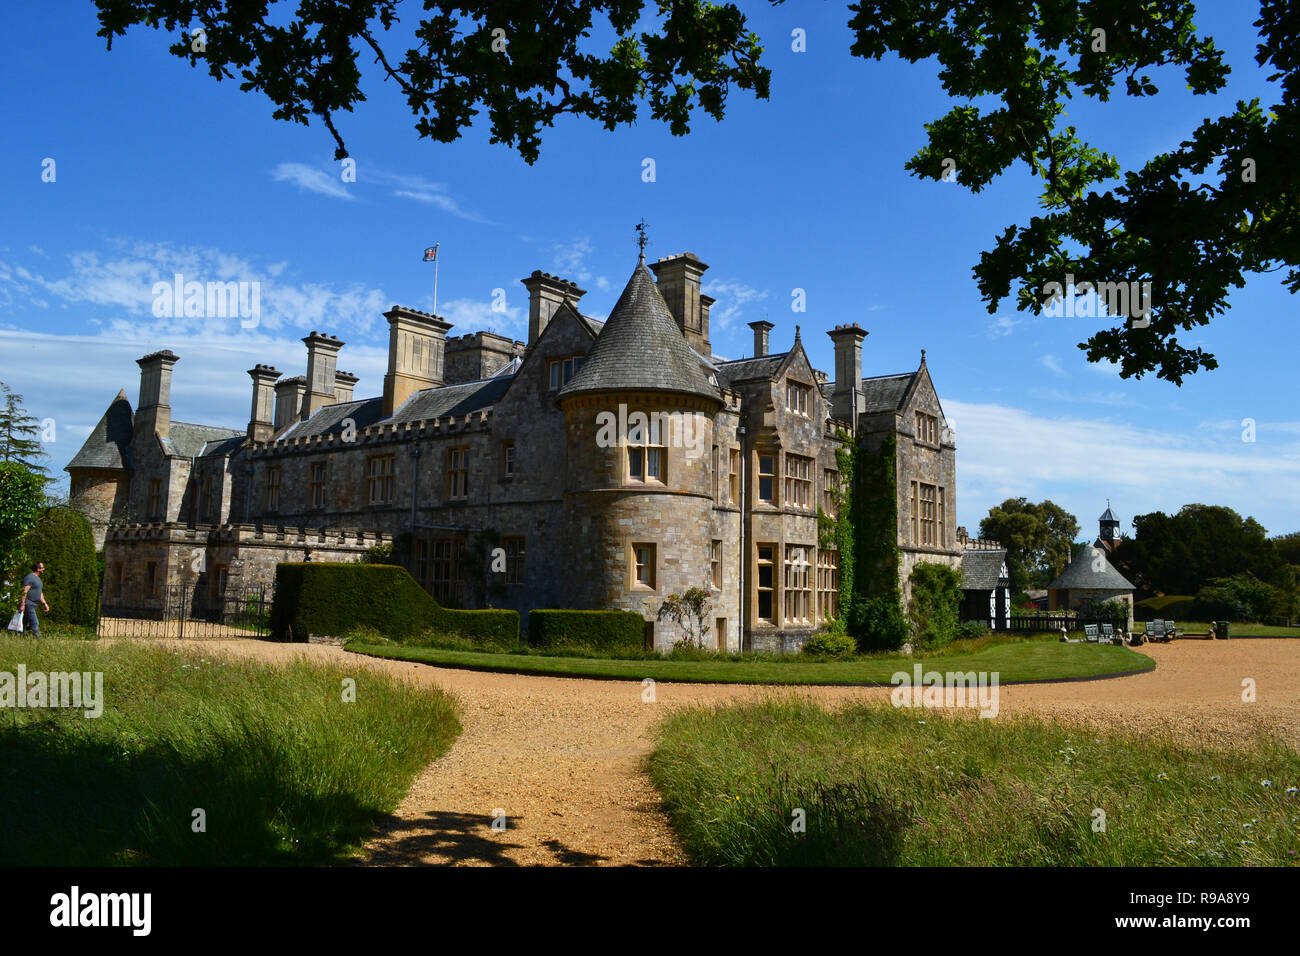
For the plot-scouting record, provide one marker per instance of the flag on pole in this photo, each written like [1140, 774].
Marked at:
[431, 254]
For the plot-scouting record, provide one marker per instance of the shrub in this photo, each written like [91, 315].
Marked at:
[378, 554]
[1242, 597]
[589, 630]
[325, 598]
[936, 600]
[877, 624]
[64, 541]
[968, 630]
[690, 611]
[21, 499]
[829, 644]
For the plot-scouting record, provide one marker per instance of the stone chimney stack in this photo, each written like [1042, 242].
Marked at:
[322, 362]
[678, 278]
[848, 370]
[416, 342]
[288, 400]
[545, 293]
[154, 413]
[344, 383]
[261, 420]
[761, 329]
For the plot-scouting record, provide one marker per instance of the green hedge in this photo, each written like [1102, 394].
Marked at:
[1176, 606]
[63, 540]
[325, 598]
[591, 630]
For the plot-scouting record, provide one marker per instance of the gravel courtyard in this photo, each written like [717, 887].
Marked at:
[562, 758]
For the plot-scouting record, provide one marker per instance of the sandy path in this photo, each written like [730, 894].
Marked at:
[563, 758]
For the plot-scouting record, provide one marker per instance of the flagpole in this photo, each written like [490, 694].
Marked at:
[435, 283]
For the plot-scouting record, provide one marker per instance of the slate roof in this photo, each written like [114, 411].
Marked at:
[980, 570]
[1080, 575]
[190, 441]
[428, 403]
[885, 393]
[1108, 515]
[109, 444]
[640, 347]
[748, 369]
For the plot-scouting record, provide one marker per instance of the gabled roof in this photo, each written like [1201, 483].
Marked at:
[1080, 575]
[108, 446]
[641, 347]
[186, 440]
[748, 369]
[223, 448]
[981, 570]
[885, 393]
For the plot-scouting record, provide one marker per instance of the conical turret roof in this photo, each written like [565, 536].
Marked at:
[641, 347]
[109, 443]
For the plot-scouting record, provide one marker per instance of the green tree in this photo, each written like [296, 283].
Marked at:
[1038, 537]
[1181, 553]
[19, 431]
[21, 501]
[1191, 221]
[1288, 547]
[63, 540]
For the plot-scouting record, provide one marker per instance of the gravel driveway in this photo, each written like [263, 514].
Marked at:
[562, 758]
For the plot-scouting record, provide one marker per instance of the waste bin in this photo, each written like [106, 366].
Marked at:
[1223, 630]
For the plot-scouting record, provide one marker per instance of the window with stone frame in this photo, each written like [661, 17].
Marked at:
[733, 476]
[643, 566]
[797, 397]
[929, 509]
[318, 482]
[207, 505]
[830, 491]
[151, 578]
[828, 584]
[715, 563]
[765, 583]
[646, 462]
[913, 514]
[380, 479]
[798, 481]
[155, 499]
[441, 579]
[273, 488]
[561, 370]
[767, 478]
[457, 473]
[927, 428]
[507, 459]
[514, 548]
[797, 584]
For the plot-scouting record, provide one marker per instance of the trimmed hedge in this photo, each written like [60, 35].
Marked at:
[1177, 606]
[590, 630]
[63, 540]
[328, 598]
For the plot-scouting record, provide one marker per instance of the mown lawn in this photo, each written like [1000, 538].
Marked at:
[283, 769]
[1022, 660]
[1234, 630]
[884, 786]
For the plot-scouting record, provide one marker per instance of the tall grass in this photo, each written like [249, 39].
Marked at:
[886, 786]
[283, 769]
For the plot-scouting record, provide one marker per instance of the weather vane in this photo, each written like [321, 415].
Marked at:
[641, 239]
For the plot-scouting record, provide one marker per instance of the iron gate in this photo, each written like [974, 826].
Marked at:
[190, 611]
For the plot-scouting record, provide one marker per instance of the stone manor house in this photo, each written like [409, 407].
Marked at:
[493, 469]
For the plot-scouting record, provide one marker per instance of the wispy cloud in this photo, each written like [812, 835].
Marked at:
[733, 298]
[421, 190]
[312, 180]
[1053, 365]
[570, 260]
[474, 315]
[1002, 326]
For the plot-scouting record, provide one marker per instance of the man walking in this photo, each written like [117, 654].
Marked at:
[32, 588]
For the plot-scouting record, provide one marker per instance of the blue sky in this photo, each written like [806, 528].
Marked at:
[159, 170]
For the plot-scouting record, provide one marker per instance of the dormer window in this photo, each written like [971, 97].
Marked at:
[796, 397]
[562, 370]
[927, 428]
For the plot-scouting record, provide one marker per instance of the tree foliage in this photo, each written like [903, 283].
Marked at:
[690, 611]
[18, 433]
[936, 603]
[1192, 221]
[63, 540]
[1038, 538]
[1183, 552]
[21, 501]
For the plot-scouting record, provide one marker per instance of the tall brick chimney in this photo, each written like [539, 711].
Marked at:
[416, 342]
[848, 370]
[322, 362]
[761, 329]
[154, 413]
[678, 278]
[261, 420]
[344, 383]
[288, 400]
[545, 293]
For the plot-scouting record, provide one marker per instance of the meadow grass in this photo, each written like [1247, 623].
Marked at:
[284, 770]
[1014, 658]
[894, 786]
